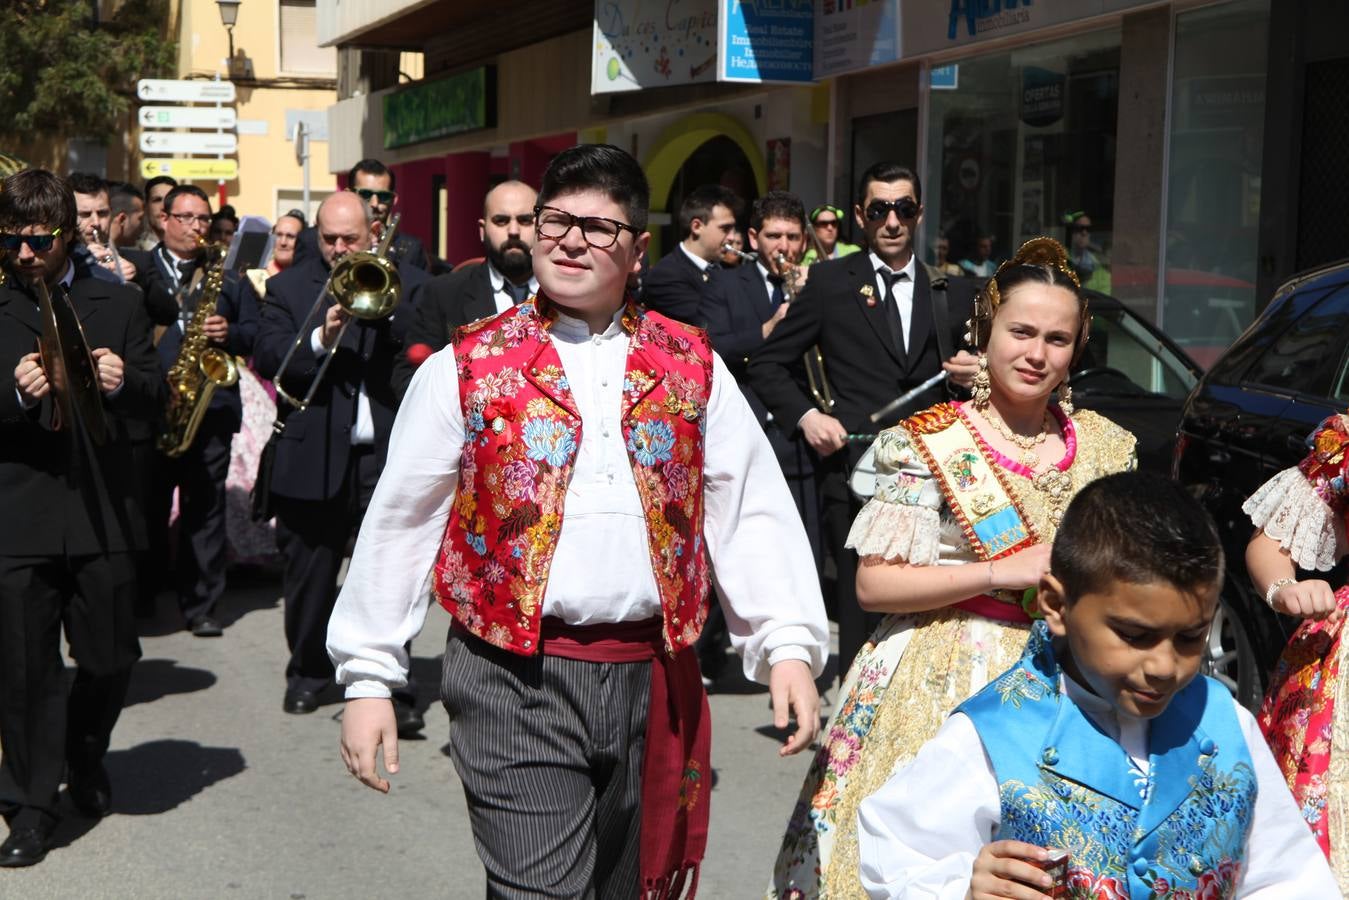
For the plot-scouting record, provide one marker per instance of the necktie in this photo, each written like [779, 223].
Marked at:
[776, 299]
[892, 317]
[519, 292]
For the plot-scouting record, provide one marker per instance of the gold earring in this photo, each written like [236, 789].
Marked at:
[982, 388]
[1066, 398]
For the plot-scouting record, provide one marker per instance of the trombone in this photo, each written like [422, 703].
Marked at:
[365, 284]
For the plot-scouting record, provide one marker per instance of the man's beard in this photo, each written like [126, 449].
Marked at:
[515, 266]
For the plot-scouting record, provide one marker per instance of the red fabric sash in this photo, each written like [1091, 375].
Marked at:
[676, 768]
[995, 609]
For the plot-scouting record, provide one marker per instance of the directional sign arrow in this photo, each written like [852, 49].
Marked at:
[187, 117]
[191, 169]
[185, 91]
[187, 142]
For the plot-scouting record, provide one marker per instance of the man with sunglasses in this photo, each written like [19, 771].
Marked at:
[374, 183]
[73, 521]
[826, 221]
[199, 474]
[331, 454]
[675, 285]
[504, 278]
[881, 329]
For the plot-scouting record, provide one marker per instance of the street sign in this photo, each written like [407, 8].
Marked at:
[191, 169]
[187, 142]
[183, 91]
[186, 117]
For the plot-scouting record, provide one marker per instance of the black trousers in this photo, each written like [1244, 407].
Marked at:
[199, 474]
[313, 537]
[41, 725]
[838, 509]
[550, 752]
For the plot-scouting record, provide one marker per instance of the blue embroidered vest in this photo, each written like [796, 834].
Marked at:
[1181, 832]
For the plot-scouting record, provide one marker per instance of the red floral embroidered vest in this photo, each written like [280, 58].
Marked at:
[522, 434]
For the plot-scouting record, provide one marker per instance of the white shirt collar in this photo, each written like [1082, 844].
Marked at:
[702, 264]
[499, 281]
[69, 277]
[575, 331]
[910, 268]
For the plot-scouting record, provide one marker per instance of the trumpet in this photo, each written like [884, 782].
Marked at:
[791, 277]
[112, 256]
[367, 285]
[745, 256]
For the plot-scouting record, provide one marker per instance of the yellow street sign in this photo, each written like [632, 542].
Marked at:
[191, 169]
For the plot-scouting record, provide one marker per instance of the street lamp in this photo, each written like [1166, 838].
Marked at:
[229, 14]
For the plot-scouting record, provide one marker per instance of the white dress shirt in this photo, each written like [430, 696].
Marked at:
[601, 569]
[919, 834]
[702, 264]
[902, 290]
[503, 298]
[363, 429]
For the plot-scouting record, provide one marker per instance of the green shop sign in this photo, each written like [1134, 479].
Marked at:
[435, 109]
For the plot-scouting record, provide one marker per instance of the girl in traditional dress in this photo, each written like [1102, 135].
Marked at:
[1300, 517]
[968, 496]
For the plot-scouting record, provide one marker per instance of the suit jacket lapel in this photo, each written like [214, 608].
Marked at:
[920, 322]
[862, 276]
[482, 299]
[18, 305]
[755, 292]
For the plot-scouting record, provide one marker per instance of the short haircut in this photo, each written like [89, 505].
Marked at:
[183, 190]
[599, 167]
[372, 167]
[157, 181]
[37, 197]
[777, 205]
[700, 203]
[1138, 528]
[888, 172]
[86, 183]
[122, 197]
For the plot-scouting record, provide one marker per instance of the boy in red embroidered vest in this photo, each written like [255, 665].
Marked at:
[563, 478]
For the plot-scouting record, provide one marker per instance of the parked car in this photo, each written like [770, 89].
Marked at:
[1248, 418]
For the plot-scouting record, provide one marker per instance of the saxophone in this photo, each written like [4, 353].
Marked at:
[199, 368]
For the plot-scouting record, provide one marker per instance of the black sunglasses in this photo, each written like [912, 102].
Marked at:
[38, 243]
[367, 193]
[1081, 228]
[877, 210]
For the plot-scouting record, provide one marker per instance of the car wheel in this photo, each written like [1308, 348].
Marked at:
[1230, 658]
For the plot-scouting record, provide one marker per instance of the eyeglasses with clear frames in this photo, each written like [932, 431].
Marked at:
[185, 218]
[599, 232]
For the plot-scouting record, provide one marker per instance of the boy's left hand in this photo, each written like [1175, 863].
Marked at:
[793, 691]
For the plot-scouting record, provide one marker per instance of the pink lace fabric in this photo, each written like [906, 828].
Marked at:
[249, 541]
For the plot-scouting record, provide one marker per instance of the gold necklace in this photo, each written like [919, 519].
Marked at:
[1028, 457]
[1057, 487]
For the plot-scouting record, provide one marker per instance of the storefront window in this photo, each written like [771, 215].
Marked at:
[1213, 185]
[1022, 144]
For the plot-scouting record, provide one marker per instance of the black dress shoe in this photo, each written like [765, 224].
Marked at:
[407, 720]
[299, 703]
[23, 847]
[90, 790]
[205, 626]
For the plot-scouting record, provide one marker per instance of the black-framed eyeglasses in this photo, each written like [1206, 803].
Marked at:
[38, 243]
[599, 232]
[186, 218]
[879, 210]
[366, 193]
[524, 220]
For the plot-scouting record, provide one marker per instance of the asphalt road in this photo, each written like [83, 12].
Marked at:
[219, 794]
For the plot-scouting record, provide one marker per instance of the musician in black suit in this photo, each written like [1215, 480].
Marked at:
[881, 330]
[331, 453]
[374, 183]
[503, 279]
[73, 521]
[200, 473]
[674, 286]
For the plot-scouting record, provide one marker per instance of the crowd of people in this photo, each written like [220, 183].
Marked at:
[604, 472]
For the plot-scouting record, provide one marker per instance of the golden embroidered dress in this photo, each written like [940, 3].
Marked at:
[917, 667]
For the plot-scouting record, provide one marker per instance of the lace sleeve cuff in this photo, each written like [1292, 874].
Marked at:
[1288, 509]
[897, 533]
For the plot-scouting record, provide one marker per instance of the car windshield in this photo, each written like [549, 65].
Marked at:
[1124, 358]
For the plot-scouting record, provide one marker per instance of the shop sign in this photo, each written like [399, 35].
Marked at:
[434, 109]
[855, 34]
[922, 29]
[1219, 101]
[653, 43]
[1041, 96]
[766, 40]
[944, 78]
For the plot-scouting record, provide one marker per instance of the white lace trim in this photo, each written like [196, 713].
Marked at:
[897, 533]
[1289, 510]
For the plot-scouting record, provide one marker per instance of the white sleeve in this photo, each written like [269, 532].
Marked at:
[762, 563]
[1282, 857]
[919, 834]
[383, 602]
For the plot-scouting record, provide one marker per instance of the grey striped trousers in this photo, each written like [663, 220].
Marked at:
[550, 754]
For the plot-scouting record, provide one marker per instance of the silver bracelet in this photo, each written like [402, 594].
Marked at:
[1274, 589]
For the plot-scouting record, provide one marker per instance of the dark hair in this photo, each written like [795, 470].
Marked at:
[37, 197]
[121, 195]
[599, 167]
[700, 203]
[777, 205]
[184, 190]
[887, 172]
[297, 215]
[226, 212]
[372, 167]
[86, 183]
[157, 181]
[1139, 528]
[1012, 275]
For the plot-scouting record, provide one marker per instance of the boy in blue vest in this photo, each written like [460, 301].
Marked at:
[1101, 741]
